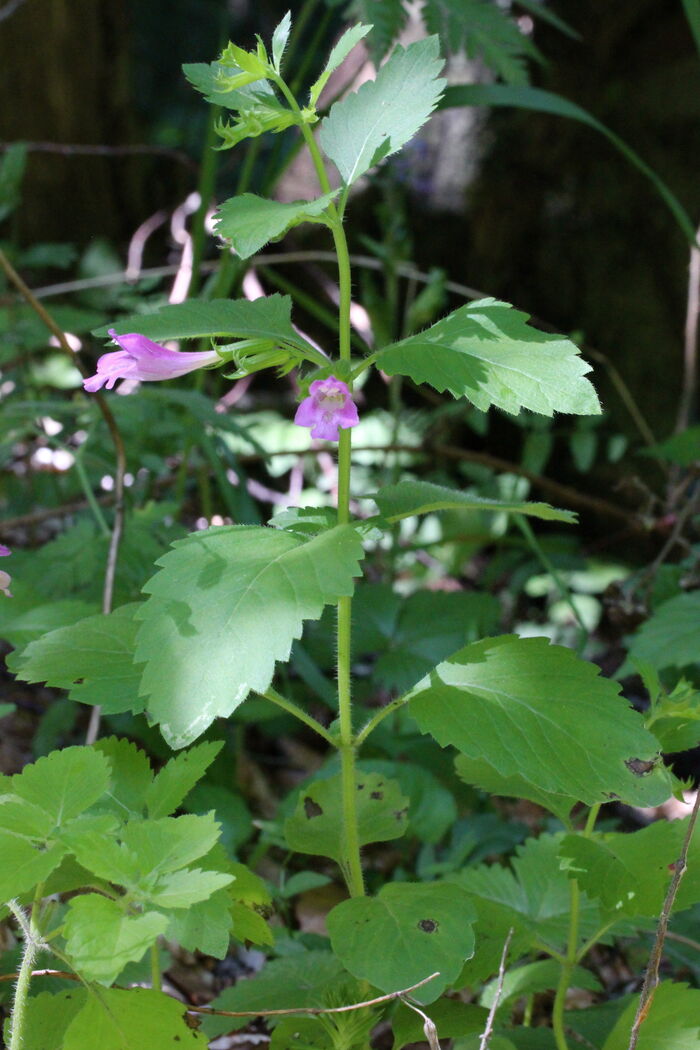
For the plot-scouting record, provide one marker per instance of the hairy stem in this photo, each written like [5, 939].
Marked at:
[298, 712]
[32, 944]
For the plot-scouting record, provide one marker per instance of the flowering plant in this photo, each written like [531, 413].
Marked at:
[226, 608]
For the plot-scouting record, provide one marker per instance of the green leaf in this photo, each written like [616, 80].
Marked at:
[177, 778]
[432, 809]
[119, 1019]
[486, 352]
[172, 842]
[35, 622]
[48, 1016]
[64, 783]
[627, 873]
[682, 449]
[317, 825]
[93, 658]
[524, 97]
[340, 52]
[407, 932]
[264, 318]
[675, 718]
[101, 938]
[534, 710]
[533, 896]
[279, 40]
[248, 591]
[12, 167]
[671, 637]
[370, 124]
[249, 925]
[25, 864]
[532, 978]
[672, 1023]
[480, 773]
[484, 30]
[182, 889]
[204, 927]
[256, 97]
[131, 775]
[303, 979]
[301, 1033]
[407, 498]
[229, 809]
[249, 221]
[387, 18]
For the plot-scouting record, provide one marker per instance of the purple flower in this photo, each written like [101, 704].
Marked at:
[139, 358]
[328, 406]
[4, 551]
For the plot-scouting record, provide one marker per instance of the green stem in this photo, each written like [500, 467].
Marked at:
[156, 984]
[548, 565]
[572, 953]
[205, 189]
[291, 708]
[375, 720]
[89, 494]
[31, 947]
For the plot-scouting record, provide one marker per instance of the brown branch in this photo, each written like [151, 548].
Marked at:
[315, 1009]
[651, 978]
[79, 149]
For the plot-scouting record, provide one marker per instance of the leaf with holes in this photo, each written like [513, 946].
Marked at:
[407, 932]
[317, 823]
[487, 353]
[377, 120]
[226, 605]
[536, 711]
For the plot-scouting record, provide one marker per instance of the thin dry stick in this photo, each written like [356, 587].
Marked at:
[315, 1009]
[429, 1029]
[690, 351]
[488, 1030]
[107, 415]
[651, 978]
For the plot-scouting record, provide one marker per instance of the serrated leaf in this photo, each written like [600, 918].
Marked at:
[249, 925]
[540, 976]
[39, 620]
[25, 864]
[483, 29]
[204, 927]
[534, 897]
[182, 889]
[280, 38]
[486, 352]
[303, 979]
[671, 637]
[48, 1016]
[535, 710]
[64, 783]
[432, 809]
[172, 842]
[249, 221]
[229, 809]
[249, 590]
[672, 1022]
[628, 873]
[387, 18]
[404, 934]
[177, 778]
[101, 938]
[480, 773]
[317, 824]
[131, 775]
[266, 318]
[339, 53]
[255, 96]
[119, 1019]
[379, 118]
[92, 658]
[408, 498]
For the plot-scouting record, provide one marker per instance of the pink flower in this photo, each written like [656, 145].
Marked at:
[4, 551]
[139, 358]
[328, 407]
